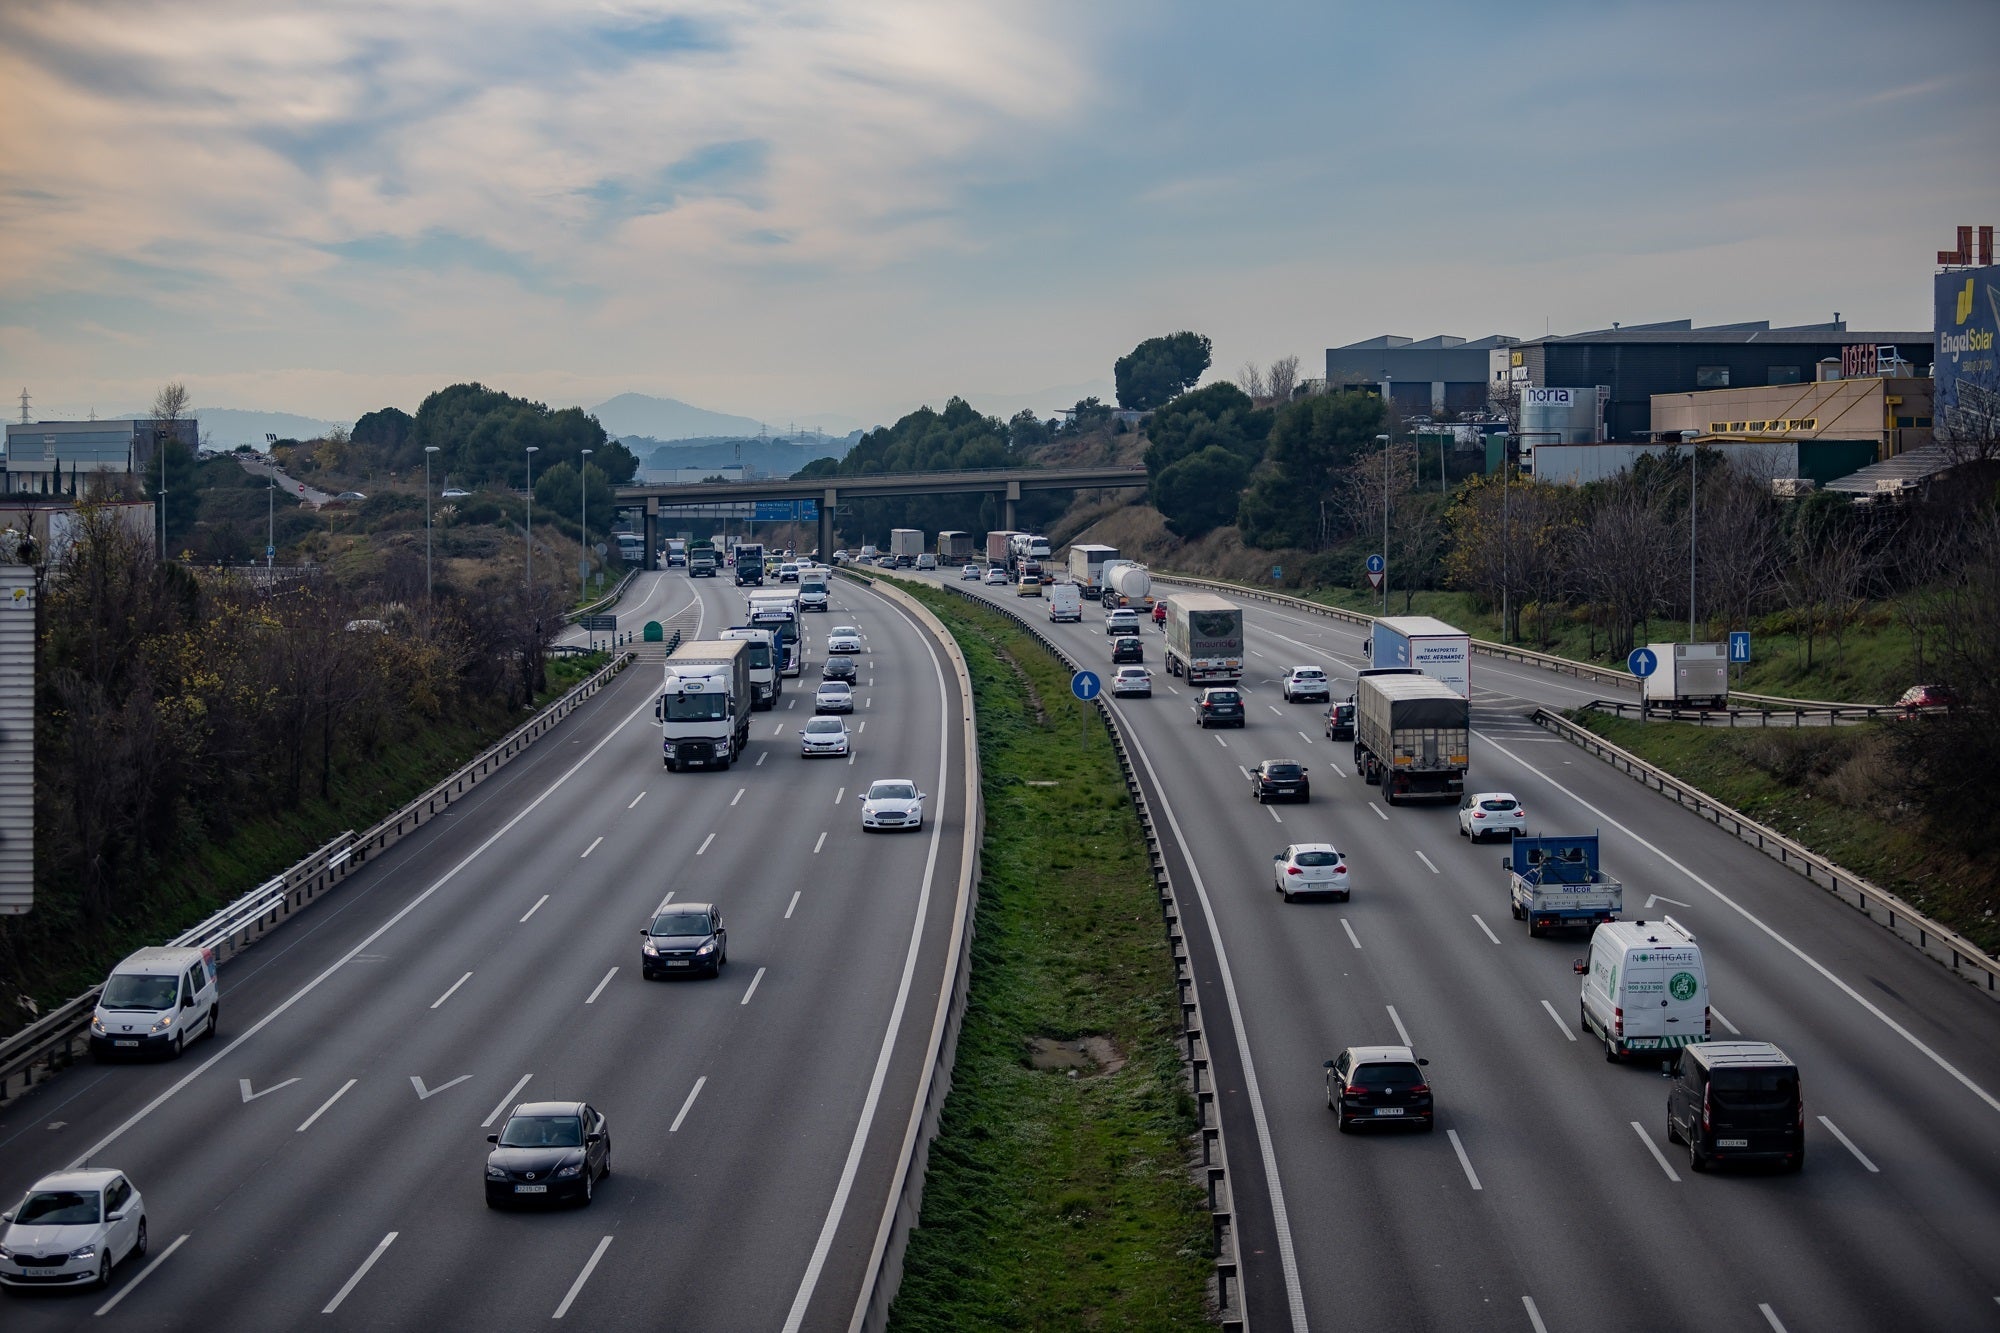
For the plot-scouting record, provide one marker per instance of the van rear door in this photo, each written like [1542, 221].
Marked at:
[1683, 996]
[1753, 1109]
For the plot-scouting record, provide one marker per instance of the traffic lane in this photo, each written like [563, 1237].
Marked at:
[658, 595]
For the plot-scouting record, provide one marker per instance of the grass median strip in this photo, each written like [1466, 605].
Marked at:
[1060, 1191]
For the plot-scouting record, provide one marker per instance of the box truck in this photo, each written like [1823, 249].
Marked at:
[765, 683]
[1425, 644]
[1412, 733]
[1204, 638]
[905, 545]
[1557, 881]
[704, 705]
[1086, 568]
[1688, 675]
[955, 548]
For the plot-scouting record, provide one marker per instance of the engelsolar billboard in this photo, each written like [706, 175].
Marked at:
[1965, 403]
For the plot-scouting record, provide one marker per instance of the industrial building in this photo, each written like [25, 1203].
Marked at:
[1426, 377]
[44, 457]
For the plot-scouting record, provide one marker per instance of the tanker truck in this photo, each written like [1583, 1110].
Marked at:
[1127, 584]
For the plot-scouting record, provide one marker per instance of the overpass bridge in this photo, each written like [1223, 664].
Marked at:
[1008, 483]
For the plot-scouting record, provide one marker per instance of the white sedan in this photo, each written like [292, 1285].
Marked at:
[1308, 868]
[892, 803]
[71, 1229]
[823, 735]
[971, 572]
[996, 577]
[843, 639]
[1132, 680]
[833, 696]
[1490, 814]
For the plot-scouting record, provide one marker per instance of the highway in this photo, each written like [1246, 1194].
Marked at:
[1549, 1199]
[321, 1165]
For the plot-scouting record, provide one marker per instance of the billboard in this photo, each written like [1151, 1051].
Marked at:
[787, 511]
[1965, 403]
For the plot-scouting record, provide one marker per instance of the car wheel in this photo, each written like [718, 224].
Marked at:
[1535, 932]
[1697, 1160]
[1346, 895]
[1341, 1122]
[180, 1044]
[1610, 1051]
[1430, 1126]
[214, 1017]
[103, 1278]
[492, 1203]
[1514, 910]
[139, 1244]
[589, 1188]
[1798, 1162]
[1673, 1131]
[1284, 893]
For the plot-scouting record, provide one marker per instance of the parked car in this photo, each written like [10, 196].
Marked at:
[1340, 722]
[1219, 706]
[547, 1151]
[454, 493]
[833, 696]
[1128, 649]
[1132, 680]
[71, 1230]
[1306, 685]
[684, 938]
[892, 803]
[1122, 621]
[823, 736]
[1490, 814]
[1310, 868]
[1379, 1085]
[1280, 780]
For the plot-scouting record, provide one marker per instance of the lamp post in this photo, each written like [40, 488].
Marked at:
[1383, 440]
[530, 531]
[1693, 454]
[583, 524]
[270, 503]
[429, 449]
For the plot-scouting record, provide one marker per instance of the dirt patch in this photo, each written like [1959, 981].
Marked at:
[1084, 1056]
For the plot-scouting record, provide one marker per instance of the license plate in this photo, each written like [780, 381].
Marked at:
[125, 1043]
[531, 1189]
[677, 962]
[1732, 1143]
[1388, 1110]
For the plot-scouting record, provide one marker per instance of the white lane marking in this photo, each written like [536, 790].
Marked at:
[1848, 1144]
[593, 847]
[1380, 811]
[1483, 927]
[1558, 1018]
[664, 901]
[761, 758]
[704, 844]
[863, 727]
[144, 1273]
[1175, 690]
[468, 976]
[688, 1105]
[1427, 861]
[1244, 771]
[1307, 739]
[636, 799]
[601, 985]
[753, 987]
[792, 904]
[1397, 1019]
[1651, 898]
[837, 795]
[424, 1094]
[1471, 1176]
[1223, 743]
[778, 730]
[738, 796]
[325, 1106]
[243, 1086]
[1273, 814]
[793, 704]
[1351, 937]
[581, 1278]
[532, 910]
[359, 1273]
[821, 843]
[869, 702]
[1255, 653]
[1654, 1149]
[1716, 1014]
[500, 1107]
[1534, 1315]
[1771, 1318]
[1756, 921]
[1274, 708]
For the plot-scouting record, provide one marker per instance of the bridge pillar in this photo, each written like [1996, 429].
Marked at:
[826, 503]
[650, 557]
[1013, 495]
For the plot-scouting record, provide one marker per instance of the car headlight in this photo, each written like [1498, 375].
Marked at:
[569, 1172]
[84, 1252]
[6, 1253]
[648, 949]
[495, 1173]
[96, 1024]
[705, 949]
[162, 1024]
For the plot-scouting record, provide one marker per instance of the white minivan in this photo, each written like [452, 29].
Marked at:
[1644, 987]
[1065, 602]
[156, 1002]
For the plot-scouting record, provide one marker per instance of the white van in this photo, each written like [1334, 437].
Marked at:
[1065, 602]
[156, 1002]
[1644, 987]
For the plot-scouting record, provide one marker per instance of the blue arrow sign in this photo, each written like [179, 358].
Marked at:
[1739, 645]
[1085, 685]
[1642, 662]
[1376, 564]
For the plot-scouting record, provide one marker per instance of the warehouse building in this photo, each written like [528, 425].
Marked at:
[1424, 377]
[44, 457]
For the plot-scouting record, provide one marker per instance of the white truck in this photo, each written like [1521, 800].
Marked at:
[905, 545]
[1644, 987]
[1426, 644]
[765, 682]
[1556, 881]
[1204, 639]
[812, 589]
[1065, 602]
[1127, 584]
[1086, 568]
[1688, 675]
[704, 705]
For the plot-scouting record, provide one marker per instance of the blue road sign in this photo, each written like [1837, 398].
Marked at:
[1277, 571]
[785, 511]
[1739, 645]
[1376, 564]
[1642, 662]
[270, 552]
[1085, 685]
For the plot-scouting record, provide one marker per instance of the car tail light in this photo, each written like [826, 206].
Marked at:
[1618, 1022]
[1353, 1090]
[1421, 1090]
[1706, 1028]
[1340, 869]
[1704, 1110]
[1292, 870]
[1479, 814]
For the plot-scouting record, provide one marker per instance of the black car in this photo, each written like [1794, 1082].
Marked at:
[1379, 1085]
[684, 938]
[1219, 708]
[1280, 780]
[547, 1151]
[1340, 722]
[1737, 1102]
[838, 668]
[1127, 649]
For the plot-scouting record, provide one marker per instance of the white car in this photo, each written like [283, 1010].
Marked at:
[833, 696]
[1491, 814]
[1132, 680]
[1310, 868]
[788, 573]
[823, 735]
[971, 572]
[454, 493]
[843, 639]
[1122, 621]
[71, 1229]
[892, 803]
[996, 577]
[1306, 685]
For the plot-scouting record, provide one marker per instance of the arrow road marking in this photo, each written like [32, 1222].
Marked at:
[250, 1096]
[325, 1104]
[425, 1094]
[1656, 898]
[501, 1105]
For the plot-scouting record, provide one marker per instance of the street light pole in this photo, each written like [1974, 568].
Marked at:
[583, 525]
[532, 450]
[429, 449]
[1384, 441]
[1693, 492]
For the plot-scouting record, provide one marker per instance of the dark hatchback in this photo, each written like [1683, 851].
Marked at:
[1379, 1085]
[1280, 780]
[1127, 649]
[548, 1152]
[1340, 722]
[1219, 708]
[684, 939]
[838, 668]
[1737, 1102]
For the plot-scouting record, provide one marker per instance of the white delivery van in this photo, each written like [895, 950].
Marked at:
[1644, 988]
[1065, 602]
[156, 1002]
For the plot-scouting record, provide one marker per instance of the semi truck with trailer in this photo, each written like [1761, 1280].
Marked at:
[1412, 734]
[997, 546]
[765, 682]
[704, 705]
[701, 561]
[1557, 881]
[1425, 644]
[1204, 638]
[1086, 568]
[1688, 675]
[1127, 583]
[955, 548]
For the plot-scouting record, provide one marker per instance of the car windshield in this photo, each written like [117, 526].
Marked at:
[60, 1208]
[847, 630]
[1500, 803]
[542, 1131]
[892, 791]
[129, 991]
[828, 726]
[1388, 1076]
[681, 923]
[1282, 770]
[1317, 859]
[697, 707]
[836, 687]
[1309, 673]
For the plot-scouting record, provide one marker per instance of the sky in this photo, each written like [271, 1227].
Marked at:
[832, 212]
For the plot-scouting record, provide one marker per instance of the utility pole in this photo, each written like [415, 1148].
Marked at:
[429, 449]
[530, 533]
[1693, 495]
[583, 524]
[1384, 441]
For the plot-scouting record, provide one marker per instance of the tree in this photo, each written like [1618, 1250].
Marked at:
[1510, 545]
[1198, 493]
[1313, 441]
[1159, 368]
[1025, 430]
[1283, 378]
[171, 467]
[1250, 379]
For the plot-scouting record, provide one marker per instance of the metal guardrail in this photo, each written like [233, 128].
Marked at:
[609, 599]
[1214, 1154]
[56, 1039]
[1946, 946]
[1758, 717]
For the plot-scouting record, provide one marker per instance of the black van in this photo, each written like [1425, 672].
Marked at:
[1737, 1101]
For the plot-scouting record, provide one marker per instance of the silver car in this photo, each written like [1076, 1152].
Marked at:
[833, 696]
[823, 736]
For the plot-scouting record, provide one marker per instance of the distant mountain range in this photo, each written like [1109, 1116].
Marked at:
[670, 419]
[227, 427]
[780, 458]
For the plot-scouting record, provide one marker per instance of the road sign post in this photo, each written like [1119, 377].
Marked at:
[1085, 686]
[1739, 650]
[1378, 569]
